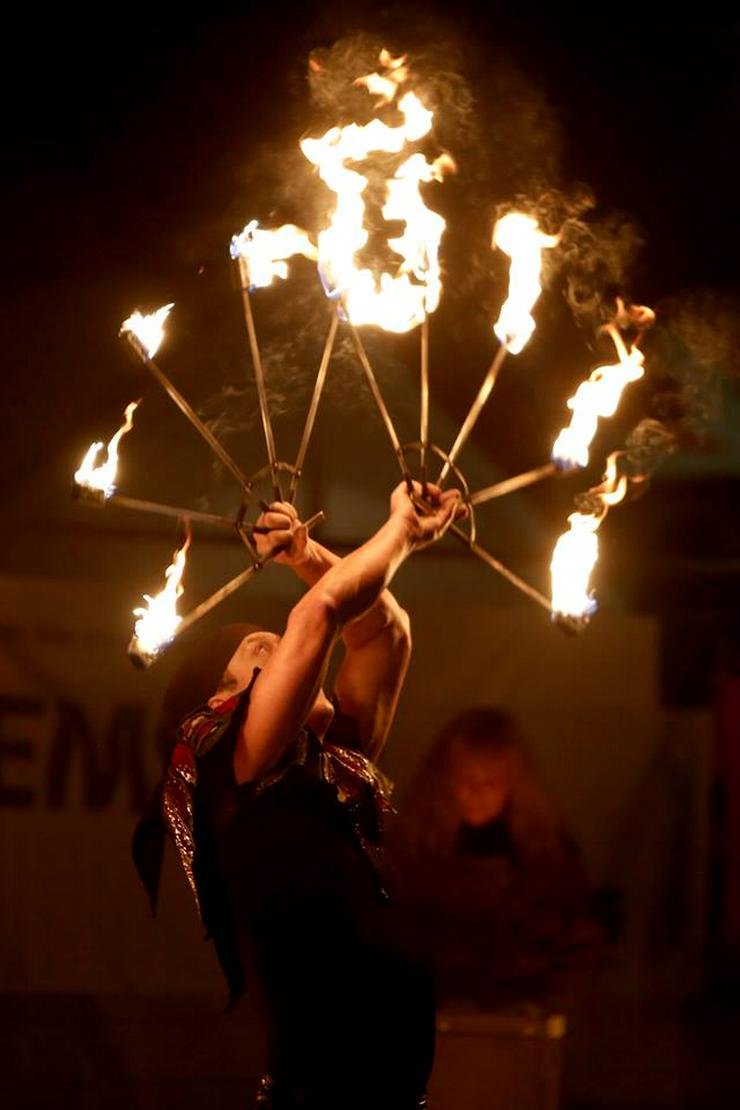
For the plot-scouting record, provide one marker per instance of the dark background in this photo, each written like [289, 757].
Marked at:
[135, 145]
[137, 140]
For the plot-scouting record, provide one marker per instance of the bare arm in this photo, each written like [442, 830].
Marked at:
[377, 644]
[287, 688]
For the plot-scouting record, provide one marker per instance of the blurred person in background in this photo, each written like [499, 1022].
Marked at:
[497, 886]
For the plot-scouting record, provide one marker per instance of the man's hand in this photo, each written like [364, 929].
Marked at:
[425, 525]
[286, 539]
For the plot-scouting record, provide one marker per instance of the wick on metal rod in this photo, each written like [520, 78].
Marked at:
[143, 659]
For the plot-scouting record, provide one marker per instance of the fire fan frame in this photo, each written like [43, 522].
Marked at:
[259, 256]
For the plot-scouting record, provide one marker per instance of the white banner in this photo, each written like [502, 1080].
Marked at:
[80, 751]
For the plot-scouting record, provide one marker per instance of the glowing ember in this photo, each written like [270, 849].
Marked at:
[262, 254]
[519, 236]
[149, 330]
[594, 398]
[577, 551]
[398, 301]
[157, 624]
[103, 477]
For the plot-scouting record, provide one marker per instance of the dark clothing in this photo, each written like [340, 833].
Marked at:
[289, 874]
[489, 840]
[501, 927]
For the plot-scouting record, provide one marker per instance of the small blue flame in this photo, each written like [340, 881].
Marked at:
[564, 465]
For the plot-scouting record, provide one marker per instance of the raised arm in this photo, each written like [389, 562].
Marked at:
[287, 688]
[377, 644]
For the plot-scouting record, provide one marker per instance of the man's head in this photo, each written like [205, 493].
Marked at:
[200, 674]
[221, 665]
[255, 651]
[252, 651]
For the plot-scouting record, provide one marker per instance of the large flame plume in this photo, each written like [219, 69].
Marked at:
[102, 477]
[157, 623]
[577, 550]
[386, 86]
[519, 236]
[263, 254]
[599, 395]
[394, 301]
[149, 329]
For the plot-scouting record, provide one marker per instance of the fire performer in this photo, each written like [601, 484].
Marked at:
[275, 805]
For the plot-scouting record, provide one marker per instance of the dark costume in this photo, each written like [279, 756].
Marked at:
[504, 928]
[288, 872]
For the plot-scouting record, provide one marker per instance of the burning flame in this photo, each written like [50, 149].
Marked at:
[103, 477]
[577, 550]
[158, 623]
[598, 396]
[262, 254]
[519, 236]
[396, 302]
[386, 86]
[149, 330]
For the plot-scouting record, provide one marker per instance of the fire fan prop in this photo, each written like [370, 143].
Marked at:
[396, 301]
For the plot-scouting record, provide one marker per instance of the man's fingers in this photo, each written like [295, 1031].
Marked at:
[458, 507]
[283, 509]
[274, 521]
[450, 508]
[435, 491]
[439, 518]
[280, 540]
